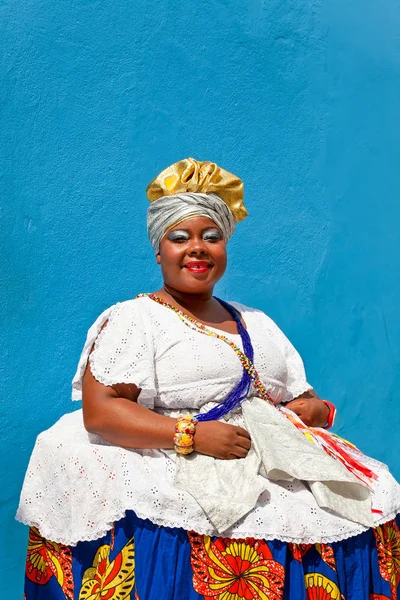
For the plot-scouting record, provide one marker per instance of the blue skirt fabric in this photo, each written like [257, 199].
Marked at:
[141, 561]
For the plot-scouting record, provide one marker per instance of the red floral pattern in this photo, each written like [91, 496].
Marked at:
[110, 580]
[327, 555]
[319, 587]
[299, 550]
[326, 552]
[235, 569]
[387, 539]
[46, 559]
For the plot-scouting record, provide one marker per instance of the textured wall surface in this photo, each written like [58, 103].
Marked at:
[298, 97]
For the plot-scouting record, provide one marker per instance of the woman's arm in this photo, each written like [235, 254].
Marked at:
[310, 408]
[112, 413]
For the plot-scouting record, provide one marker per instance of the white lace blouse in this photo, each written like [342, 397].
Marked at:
[176, 367]
[77, 484]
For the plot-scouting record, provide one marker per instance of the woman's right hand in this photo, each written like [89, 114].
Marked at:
[221, 440]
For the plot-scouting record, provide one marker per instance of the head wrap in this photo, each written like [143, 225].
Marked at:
[171, 210]
[191, 188]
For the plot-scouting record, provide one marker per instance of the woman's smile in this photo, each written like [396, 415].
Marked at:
[262, 501]
[193, 256]
[198, 266]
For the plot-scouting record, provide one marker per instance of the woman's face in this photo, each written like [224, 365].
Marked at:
[193, 256]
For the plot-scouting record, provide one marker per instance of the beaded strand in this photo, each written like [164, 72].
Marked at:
[331, 444]
[195, 325]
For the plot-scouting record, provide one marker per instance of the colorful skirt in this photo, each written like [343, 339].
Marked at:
[141, 561]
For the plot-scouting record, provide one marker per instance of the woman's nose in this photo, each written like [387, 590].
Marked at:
[197, 246]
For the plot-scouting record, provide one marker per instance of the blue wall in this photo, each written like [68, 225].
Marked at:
[300, 98]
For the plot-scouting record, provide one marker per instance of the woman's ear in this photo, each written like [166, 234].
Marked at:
[158, 259]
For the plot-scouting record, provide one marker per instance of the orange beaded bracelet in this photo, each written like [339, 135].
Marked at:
[185, 429]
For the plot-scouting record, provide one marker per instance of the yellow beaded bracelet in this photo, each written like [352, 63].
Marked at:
[185, 429]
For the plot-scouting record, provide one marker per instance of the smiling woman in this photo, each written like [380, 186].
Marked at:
[201, 465]
[193, 256]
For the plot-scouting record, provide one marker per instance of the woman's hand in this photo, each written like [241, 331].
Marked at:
[312, 411]
[221, 440]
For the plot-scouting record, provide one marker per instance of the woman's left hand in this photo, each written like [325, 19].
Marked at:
[312, 411]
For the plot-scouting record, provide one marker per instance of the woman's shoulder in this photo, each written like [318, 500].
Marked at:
[126, 306]
[117, 315]
[255, 315]
[244, 309]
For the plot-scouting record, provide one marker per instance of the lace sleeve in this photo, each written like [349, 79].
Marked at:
[297, 382]
[123, 352]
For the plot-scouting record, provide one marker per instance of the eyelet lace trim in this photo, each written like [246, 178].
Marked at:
[158, 520]
[55, 473]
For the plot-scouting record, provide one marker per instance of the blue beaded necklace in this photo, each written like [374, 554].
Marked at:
[241, 390]
[331, 444]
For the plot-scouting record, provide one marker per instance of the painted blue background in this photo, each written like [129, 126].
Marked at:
[300, 98]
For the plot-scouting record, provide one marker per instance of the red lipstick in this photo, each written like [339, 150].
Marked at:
[197, 266]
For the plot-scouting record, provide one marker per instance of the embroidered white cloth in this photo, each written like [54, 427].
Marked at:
[77, 485]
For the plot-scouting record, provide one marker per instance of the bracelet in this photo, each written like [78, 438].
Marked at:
[185, 429]
[331, 416]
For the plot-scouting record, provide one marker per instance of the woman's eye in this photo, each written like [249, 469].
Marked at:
[178, 236]
[212, 236]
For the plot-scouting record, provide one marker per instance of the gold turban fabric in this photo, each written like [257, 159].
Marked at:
[190, 175]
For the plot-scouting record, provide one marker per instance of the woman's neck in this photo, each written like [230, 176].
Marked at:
[192, 302]
[203, 307]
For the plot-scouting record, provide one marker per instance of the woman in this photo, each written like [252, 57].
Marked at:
[252, 497]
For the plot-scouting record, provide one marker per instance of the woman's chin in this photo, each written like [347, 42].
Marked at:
[198, 287]
[194, 285]
[189, 282]
[210, 278]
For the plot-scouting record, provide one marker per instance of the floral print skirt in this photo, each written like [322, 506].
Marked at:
[141, 561]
